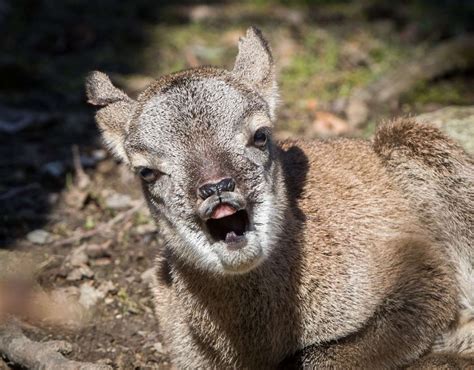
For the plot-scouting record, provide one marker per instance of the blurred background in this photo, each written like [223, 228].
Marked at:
[343, 66]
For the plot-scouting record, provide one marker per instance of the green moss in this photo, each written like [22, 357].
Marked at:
[445, 92]
[171, 45]
[90, 223]
[369, 129]
[127, 303]
[318, 57]
[141, 218]
[319, 70]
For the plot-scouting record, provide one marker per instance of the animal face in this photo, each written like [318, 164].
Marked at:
[201, 142]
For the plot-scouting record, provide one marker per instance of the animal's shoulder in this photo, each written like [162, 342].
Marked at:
[340, 186]
[336, 171]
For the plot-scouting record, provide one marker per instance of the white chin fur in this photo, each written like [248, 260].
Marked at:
[243, 259]
[218, 258]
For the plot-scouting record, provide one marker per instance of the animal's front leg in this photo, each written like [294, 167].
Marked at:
[421, 305]
[446, 361]
[319, 357]
[380, 346]
[340, 358]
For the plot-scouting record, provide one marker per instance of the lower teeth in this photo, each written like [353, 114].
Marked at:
[231, 237]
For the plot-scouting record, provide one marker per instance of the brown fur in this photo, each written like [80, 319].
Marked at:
[349, 266]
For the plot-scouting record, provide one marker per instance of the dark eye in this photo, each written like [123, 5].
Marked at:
[148, 174]
[260, 137]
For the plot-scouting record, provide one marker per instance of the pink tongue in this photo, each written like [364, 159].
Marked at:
[223, 210]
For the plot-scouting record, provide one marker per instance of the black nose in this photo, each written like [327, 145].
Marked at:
[206, 190]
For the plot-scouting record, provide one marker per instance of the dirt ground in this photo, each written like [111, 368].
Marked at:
[119, 327]
[64, 199]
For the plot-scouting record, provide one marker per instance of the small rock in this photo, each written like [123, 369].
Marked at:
[130, 279]
[158, 347]
[147, 276]
[89, 295]
[107, 287]
[118, 201]
[39, 237]
[106, 362]
[79, 273]
[54, 169]
[98, 250]
[104, 261]
[53, 198]
[456, 121]
[78, 257]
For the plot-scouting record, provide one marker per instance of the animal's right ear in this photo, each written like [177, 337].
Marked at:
[114, 117]
[255, 67]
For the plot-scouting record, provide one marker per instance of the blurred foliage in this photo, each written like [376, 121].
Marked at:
[49, 45]
[444, 92]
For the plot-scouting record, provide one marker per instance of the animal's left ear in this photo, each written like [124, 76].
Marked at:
[255, 67]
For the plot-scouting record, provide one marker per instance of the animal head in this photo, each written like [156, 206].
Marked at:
[201, 142]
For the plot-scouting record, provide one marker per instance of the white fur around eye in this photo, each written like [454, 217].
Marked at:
[241, 138]
[258, 120]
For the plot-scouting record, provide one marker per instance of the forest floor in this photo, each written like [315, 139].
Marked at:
[66, 201]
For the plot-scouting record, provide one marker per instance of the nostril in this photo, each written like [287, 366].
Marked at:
[227, 184]
[206, 190]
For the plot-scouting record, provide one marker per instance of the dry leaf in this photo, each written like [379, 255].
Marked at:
[328, 124]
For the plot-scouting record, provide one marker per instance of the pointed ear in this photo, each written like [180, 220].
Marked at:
[114, 117]
[254, 66]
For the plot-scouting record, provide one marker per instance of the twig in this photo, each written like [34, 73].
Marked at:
[21, 189]
[102, 228]
[38, 356]
[448, 56]
[82, 179]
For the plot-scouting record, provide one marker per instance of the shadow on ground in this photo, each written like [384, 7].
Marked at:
[47, 47]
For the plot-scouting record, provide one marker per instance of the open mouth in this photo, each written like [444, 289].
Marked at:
[229, 226]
